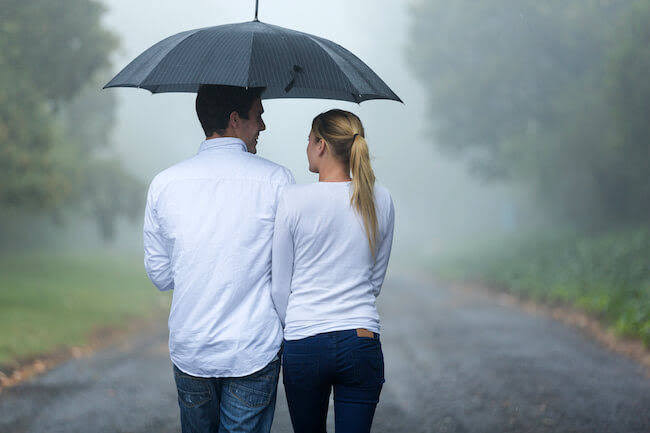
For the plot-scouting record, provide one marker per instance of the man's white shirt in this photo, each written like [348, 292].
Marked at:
[208, 231]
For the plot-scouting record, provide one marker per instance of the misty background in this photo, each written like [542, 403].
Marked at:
[519, 160]
[438, 202]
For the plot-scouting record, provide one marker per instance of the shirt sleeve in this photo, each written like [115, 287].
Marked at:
[157, 249]
[282, 260]
[383, 253]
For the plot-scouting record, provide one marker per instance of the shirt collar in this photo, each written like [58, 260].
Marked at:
[223, 143]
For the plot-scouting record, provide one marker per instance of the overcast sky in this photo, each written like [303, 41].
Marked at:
[436, 201]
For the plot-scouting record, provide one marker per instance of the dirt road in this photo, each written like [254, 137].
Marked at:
[456, 361]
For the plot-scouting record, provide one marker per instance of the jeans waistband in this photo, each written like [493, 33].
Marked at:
[359, 332]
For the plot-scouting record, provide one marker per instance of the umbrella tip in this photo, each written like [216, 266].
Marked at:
[257, 4]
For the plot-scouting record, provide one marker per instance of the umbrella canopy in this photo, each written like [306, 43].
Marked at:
[290, 64]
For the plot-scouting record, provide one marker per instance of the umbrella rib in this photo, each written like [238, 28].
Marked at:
[284, 31]
[170, 51]
[329, 53]
[250, 58]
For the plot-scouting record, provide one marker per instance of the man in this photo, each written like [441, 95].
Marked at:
[208, 231]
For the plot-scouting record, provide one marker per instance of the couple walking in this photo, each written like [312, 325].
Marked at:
[265, 272]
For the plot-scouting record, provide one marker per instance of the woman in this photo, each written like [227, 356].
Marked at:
[331, 247]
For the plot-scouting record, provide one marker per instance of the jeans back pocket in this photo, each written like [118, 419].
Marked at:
[257, 389]
[192, 391]
[369, 365]
[300, 370]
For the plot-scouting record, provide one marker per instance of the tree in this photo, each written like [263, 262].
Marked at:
[54, 125]
[519, 89]
[627, 93]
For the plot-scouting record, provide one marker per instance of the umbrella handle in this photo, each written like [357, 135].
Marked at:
[294, 71]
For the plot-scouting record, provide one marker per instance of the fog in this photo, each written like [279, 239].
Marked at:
[438, 203]
[519, 165]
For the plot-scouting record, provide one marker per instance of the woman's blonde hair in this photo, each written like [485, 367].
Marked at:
[343, 133]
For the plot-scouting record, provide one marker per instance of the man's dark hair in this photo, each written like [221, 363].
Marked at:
[214, 103]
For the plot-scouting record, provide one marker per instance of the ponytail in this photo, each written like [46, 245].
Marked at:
[363, 187]
[344, 134]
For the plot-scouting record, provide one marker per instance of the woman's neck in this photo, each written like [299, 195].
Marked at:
[334, 173]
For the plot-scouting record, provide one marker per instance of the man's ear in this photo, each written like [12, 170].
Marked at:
[233, 121]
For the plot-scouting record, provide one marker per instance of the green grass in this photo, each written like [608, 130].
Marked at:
[53, 301]
[607, 276]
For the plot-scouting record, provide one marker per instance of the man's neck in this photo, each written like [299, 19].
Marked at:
[225, 134]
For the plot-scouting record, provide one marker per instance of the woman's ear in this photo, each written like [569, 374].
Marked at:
[322, 147]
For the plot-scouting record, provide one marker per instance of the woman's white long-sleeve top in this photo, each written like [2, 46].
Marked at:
[324, 276]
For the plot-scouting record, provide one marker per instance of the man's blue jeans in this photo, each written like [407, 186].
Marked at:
[352, 365]
[228, 404]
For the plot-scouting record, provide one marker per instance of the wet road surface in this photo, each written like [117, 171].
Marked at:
[456, 361]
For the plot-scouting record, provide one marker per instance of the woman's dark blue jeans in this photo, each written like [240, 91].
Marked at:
[351, 364]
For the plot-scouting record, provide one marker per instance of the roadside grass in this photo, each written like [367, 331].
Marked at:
[607, 276]
[50, 301]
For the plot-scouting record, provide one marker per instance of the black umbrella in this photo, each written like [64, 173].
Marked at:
[290, 64]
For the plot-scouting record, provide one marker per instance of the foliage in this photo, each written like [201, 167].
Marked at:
[628, 95]
[551, 93]
[54, 123]
[606, 275]
[29, 177]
